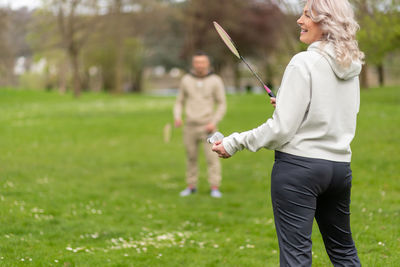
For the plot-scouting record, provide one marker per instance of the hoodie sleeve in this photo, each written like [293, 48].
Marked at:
[358, 96]
[291, 105]
[180, 99]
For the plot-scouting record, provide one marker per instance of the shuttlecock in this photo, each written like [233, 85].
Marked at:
[217, 136]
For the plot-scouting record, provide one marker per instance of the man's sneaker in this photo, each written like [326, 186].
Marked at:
[216, 193]
[188, 191]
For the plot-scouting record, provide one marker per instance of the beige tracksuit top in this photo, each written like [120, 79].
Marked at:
[203, 99]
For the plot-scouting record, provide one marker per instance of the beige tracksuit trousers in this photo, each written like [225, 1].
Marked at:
[193, 136]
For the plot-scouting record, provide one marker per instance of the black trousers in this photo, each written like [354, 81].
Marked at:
[301, 189]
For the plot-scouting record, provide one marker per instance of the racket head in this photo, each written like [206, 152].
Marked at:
[227, 40]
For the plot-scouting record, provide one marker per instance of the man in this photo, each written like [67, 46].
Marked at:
[202, 95]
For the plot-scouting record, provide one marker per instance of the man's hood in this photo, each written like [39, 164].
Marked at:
[328, 52]
[200, 77]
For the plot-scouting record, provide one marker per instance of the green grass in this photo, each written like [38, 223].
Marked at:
[90, 182]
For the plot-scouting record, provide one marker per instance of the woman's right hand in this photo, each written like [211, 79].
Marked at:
[272, 100]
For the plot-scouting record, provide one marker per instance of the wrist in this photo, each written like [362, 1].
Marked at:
[228, 148]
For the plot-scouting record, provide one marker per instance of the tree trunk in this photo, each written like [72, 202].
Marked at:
[119, 68]
[62, 80]
[137, 81]
[364, 77]
[236, 77]
[75, 72]
[381, 75]
[269, 72]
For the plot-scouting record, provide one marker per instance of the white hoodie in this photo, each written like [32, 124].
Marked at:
[316, 109]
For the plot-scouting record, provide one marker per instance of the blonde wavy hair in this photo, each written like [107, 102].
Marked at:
[339, 27]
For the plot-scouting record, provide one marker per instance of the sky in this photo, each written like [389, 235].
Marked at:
[15, 4]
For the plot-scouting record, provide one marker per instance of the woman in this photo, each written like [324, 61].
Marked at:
[310, 131]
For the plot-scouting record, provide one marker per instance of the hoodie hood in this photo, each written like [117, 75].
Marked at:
[328, 52]
[200, 77]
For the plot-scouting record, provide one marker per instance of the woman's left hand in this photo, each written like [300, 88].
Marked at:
[220, 150]
[272, 101]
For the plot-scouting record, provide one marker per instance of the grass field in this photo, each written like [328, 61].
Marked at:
[90, 182]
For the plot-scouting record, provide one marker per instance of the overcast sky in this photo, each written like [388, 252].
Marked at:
[15, 4]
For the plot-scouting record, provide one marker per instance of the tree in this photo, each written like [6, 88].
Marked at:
[117, 48]
[379, 33]
[264, 40]
[253, 25]
[162, 29]
[200, 33]
[118, 36]
[75, 30]
[6, 50]
[67, 25]
[45, 42]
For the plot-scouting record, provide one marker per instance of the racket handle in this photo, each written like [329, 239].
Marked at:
[269, 91]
